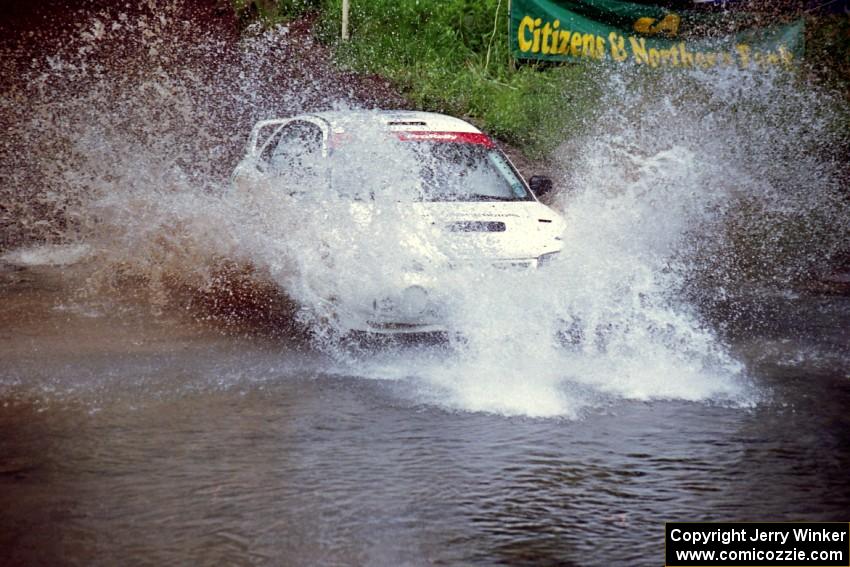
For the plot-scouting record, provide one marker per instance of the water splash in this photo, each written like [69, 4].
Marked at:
[688, 189]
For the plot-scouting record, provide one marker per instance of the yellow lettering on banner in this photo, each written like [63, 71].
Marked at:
[554, 47]
[639, 50]
[564, 45]
[643, 25]
[654, 57]
[536, 36]
[785, 55]
[547, 33]
[576, 44]
[618, 47]
[686, 56]
[669, 25]
[744, 53]
[522, 39]
[669, 56]
[536, 47]
[707, 59]
[588, 48]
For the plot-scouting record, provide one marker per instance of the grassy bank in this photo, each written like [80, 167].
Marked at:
[452, 56]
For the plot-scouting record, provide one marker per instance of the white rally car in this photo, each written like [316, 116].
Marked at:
[462, 201]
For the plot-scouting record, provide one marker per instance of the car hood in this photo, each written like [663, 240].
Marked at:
[471, 231]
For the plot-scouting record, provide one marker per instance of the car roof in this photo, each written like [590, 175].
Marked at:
[398, 120]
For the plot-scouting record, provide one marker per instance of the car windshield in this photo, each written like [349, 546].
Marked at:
[428, 171]
[466, 172]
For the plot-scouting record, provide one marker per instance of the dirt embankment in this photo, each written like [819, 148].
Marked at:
[69, 68]
[30, 32]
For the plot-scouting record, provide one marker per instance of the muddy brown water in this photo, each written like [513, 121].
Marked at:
[136, 438]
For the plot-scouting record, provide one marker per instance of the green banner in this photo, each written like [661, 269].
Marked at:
[651, 34]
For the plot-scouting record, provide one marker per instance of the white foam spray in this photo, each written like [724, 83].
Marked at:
[134, 164]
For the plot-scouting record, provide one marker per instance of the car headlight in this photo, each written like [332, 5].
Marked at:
[546, 258]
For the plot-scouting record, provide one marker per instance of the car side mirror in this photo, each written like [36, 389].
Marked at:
[540, 185]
